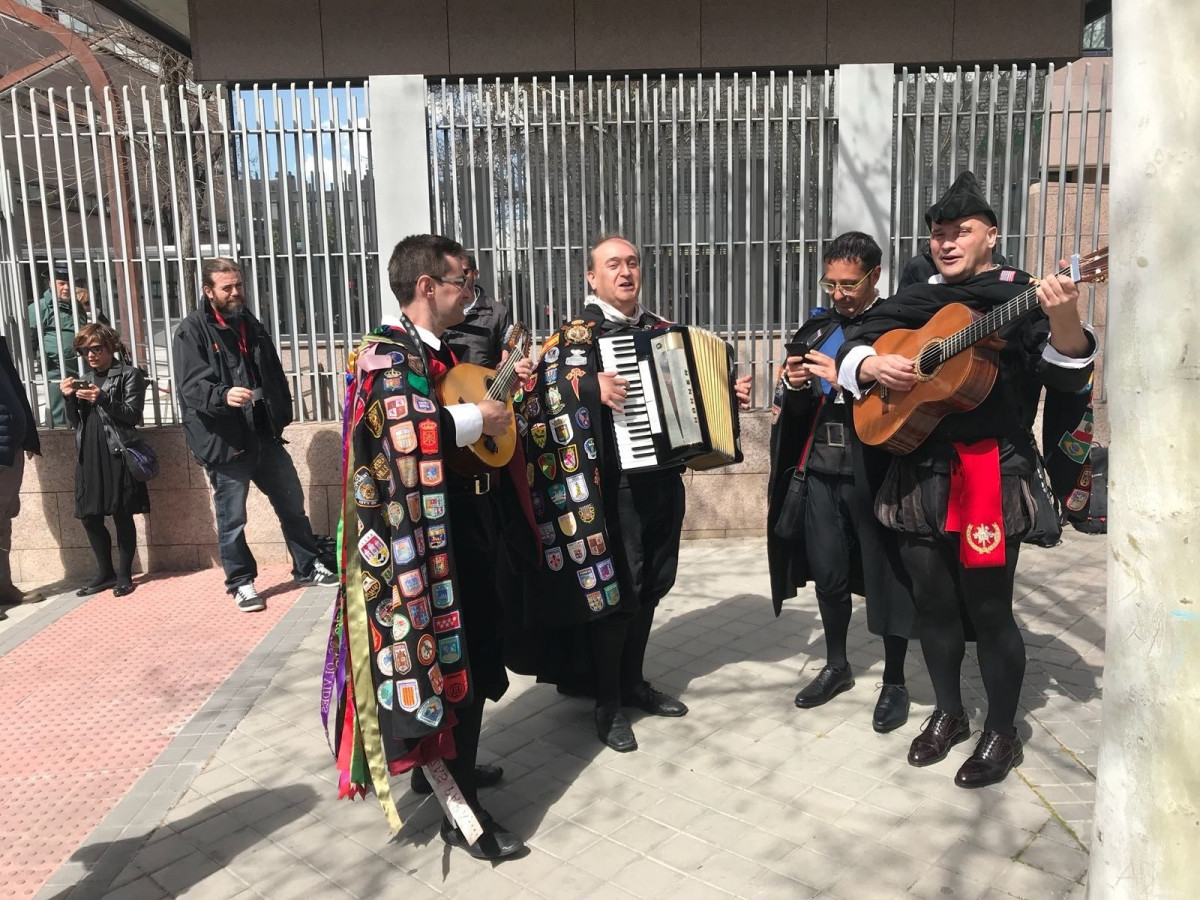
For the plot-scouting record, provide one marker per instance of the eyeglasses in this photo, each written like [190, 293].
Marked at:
[94, 348]
[460, 283]
[830, 286]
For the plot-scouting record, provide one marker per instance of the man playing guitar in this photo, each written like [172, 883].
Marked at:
[961, 501]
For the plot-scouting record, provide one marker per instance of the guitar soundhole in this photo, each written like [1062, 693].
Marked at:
[929, 360]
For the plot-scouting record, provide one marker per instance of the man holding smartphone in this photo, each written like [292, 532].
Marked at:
[236, 404]
[814, 431]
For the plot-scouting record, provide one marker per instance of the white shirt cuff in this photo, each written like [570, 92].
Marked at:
[848, 371]
[468, 423]
[1052, 356]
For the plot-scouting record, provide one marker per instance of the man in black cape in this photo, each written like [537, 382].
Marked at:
[964, 499]
[812, 431]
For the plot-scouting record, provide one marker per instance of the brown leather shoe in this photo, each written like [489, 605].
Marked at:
[994, 757]
[941, 732]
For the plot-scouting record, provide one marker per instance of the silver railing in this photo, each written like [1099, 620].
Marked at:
[723, 182]
[132, 191]
[1036, 137]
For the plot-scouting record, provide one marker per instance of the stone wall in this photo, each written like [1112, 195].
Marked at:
[49, 544]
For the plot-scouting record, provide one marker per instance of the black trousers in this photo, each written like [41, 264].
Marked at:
[649, 524]
[943, 589]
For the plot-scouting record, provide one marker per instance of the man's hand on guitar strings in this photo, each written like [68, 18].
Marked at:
[613, 389]
[741, 387]
[496, 417]
[893, 371]
[524, 369]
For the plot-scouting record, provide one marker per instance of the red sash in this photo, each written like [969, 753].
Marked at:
[974, 509]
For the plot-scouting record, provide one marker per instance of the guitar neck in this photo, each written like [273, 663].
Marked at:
[992, 322]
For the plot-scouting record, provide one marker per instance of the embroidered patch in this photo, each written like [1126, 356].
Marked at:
[587, 578]
[1076, 450]
[449, 649]
[375, 419]
[426, 650]
[408, 693]
[443, 594]
[448, 622]
[373, 548]
[386, 694]
[404, 551]
[456, 686]
[596, 544]
[404, 437]
[554, 559]
[395, 407]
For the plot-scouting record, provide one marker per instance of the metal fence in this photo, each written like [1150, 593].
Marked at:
[132, 191]
[724, 183]
[1036, 138]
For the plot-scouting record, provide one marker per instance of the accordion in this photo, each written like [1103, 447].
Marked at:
[680, 407]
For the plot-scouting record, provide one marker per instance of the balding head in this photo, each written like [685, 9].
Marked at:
[615, 273]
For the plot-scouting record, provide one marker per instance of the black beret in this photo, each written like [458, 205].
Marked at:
[964, 198]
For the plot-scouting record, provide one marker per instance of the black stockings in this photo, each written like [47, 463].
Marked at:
[101, 543]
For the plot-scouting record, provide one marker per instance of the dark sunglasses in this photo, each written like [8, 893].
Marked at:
[94, 348]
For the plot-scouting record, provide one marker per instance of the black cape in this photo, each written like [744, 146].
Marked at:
[877, 573]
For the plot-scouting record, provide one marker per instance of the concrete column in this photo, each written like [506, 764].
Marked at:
[862, 187]
[1147, 840]
[399, 167]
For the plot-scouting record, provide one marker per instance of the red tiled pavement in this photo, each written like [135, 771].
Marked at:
[89, 702]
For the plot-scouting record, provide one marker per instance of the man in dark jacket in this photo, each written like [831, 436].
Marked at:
[18, 442]
[479, 338]
[236, 402]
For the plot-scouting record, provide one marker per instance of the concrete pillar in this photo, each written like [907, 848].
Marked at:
[862, 187]
[399, 167]
[1147, 837]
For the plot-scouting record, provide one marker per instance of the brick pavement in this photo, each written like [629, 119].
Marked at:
[747, 796]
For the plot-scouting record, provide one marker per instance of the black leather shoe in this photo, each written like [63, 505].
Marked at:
[123, 589]
[830, 682]
[646, 698]
[994, 757]
[941, 732]
[495, 842]
[891, 710]
[485, 776]
[613, 728]
[96, 587]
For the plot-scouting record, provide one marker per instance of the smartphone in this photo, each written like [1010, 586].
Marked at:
[78, 383]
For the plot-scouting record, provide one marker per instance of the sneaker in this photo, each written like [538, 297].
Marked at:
[248, 599]
[321, 575]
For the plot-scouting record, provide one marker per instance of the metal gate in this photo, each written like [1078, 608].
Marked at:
[723, 183]
[132, 192]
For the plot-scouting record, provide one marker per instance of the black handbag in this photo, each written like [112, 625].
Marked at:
[1047, 527]
[141, 459]
[790, 524]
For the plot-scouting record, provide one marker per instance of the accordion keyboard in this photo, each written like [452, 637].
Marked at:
[634, 429]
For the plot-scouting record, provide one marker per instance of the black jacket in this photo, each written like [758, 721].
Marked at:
[208, 362]
[120, 405]
[479, 339]
[18, 429]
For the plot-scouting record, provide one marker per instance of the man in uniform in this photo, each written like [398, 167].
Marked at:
[841, 541]
[426, 548]
[611, 539]
[961, 502]
[56, 316]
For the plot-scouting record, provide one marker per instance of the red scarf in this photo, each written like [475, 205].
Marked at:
[243, 344]
[974, 509]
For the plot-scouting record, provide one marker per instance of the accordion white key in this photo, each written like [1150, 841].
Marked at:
[680, 407]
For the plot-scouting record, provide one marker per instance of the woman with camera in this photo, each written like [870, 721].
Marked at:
[105, 409]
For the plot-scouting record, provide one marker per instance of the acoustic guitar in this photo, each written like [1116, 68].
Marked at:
[956, 355]
[469, 383]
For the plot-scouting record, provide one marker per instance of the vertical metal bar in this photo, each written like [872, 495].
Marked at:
[364, 239]
[918, 161]
[730, 190]
[898, 179]
[432, 108]
[41, 169]
[693, 261]
[80, 199]
[192, 203]
[325, 253]
[823, 139]
[138, 236]
[1047, 109]
[239, 104]
[176, 229]
[227, 148]
[638, 211]
[529, 218]
[304, 184]
[974, 116]
[955, 101]
[568, 311]
[13, 268]
[802, 225]
[1026, 174]
[937, 130]
[674, 98]
[510, 178]
[748, 220]
[289, 242]
[1064, 140]
[472, 185]
[202, 115]
[101, 214]
[1006, 198]
[1079, 172]
[272, 234]
[768, 319]
[452, 140]
[341, 167]
[621, 111]
[785, 196]
[494, 224]
[60, 187]
[993, 100]
[124, 225]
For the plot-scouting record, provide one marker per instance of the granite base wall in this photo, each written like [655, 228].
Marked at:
[179, 534]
